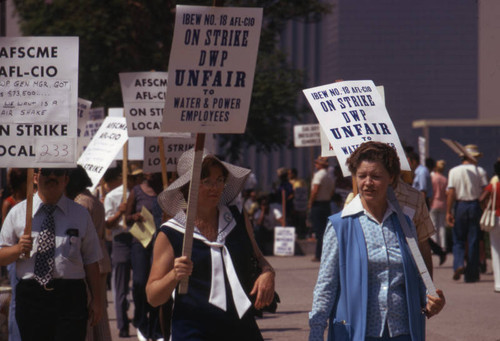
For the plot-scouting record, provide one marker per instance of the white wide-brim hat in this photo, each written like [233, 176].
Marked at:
[172, 200]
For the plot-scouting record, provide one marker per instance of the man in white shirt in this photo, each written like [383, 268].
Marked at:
[465, 185]
[115, 208]
[51, 297]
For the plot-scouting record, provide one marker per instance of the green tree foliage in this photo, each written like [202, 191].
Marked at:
[136, 35]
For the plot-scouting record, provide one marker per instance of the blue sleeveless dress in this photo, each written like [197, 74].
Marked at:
[193, 317]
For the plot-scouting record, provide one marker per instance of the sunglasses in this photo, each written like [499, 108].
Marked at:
[55, 171]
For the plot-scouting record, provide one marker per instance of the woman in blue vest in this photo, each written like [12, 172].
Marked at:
[368, 285]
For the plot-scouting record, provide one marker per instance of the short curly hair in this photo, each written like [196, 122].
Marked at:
[375, 152]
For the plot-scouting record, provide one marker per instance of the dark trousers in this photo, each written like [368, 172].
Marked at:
[299, 221]
[57, 315]
[122, 267]
[145, 316]
[466, 230]
[320, 211]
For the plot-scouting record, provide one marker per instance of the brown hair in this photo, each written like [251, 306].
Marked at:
[375, 152]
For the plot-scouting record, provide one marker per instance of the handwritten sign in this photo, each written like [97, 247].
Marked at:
[353, 112]
[211, 69]
[306, 135]
[143, 100]
[38, 101]
[173, 147]
[103, 148]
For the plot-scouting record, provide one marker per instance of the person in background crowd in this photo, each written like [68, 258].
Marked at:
[285, 193]
[368, 285]
[423, 183]
[495, 232]
[51, 297]
[438, 203]
[322, 189]
[299, 212]
[413, 204]
[421, 176]
[250, 201]
[16, 186]
[343, 185]
[265, 219]
[251, 183]
[115, 209]
[144, 195]
[217, 303]
[76, 190]
[465, 185]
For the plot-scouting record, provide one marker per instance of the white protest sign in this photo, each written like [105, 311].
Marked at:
[38, 101]
[143, 96]
[97, 113]
[83, 114]
[306, 135]
[326, 147]
[101, 151]
[350, 113]
[211, 68]
[284, 241]
[135, 144]
[90, 130]
[135, 149]
[173, 147]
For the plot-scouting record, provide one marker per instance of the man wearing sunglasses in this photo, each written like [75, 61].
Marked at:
[54, 264]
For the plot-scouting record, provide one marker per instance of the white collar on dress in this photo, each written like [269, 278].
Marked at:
[221, 260]
[355, 207]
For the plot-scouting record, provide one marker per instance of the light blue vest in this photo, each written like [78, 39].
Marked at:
[348, 318]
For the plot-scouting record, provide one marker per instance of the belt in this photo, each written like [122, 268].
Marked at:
[55, 283]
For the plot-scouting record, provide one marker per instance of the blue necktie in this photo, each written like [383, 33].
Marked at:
[44, 260]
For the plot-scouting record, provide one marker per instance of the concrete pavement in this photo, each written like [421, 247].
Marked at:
[472, 311]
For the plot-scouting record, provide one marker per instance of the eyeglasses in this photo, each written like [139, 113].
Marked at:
[218, 183]
[55, 171]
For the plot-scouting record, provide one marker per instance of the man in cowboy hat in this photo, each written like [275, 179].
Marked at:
[465, 185]
[322, 189]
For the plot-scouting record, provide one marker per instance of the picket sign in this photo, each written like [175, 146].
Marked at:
[38, 97]
[187, 244]
[353, 112]
[201, 100]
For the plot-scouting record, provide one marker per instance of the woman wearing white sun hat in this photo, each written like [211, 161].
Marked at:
[217, 304]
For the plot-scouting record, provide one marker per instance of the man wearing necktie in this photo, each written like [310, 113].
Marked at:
[51, 296]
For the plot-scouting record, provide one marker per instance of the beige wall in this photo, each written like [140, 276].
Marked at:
[489, 59]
